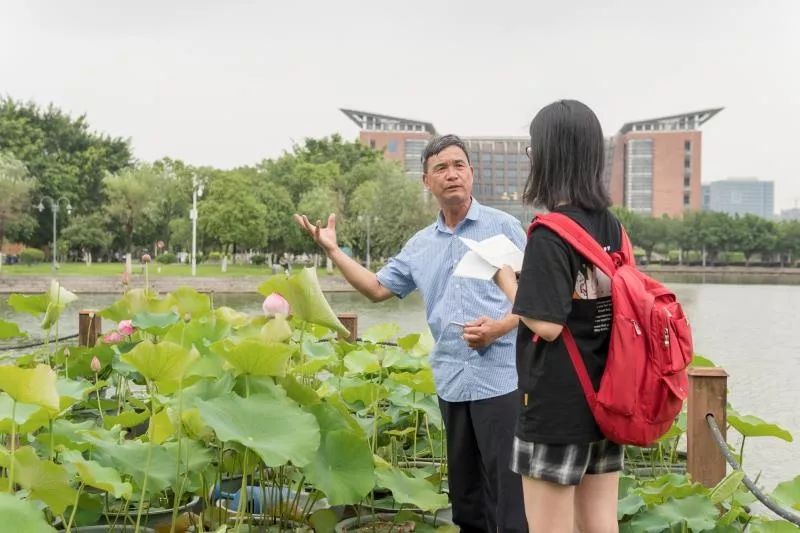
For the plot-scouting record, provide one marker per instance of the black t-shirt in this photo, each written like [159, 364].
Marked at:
[557, 285]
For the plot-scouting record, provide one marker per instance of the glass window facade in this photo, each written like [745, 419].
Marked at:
[638, 190]
[413, 156]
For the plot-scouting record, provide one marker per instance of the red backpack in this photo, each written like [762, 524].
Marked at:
[644, 383]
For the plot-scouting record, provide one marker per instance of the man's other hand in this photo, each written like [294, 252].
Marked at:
[482, 332]
[324, 237]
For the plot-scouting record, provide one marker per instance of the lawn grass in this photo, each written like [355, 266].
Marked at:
[115, 269]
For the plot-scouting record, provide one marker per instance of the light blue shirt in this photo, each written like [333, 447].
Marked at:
[427, 262]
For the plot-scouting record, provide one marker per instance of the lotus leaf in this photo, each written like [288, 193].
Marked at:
[412, 491]
[305, 297]
[255, 356]
[9, 330]
[36, 386]
[752, 426]
[381, 333]
[100, 477]
[45, 480]
[165, 361]
[696, 512]
[274, 428]
[24, 515]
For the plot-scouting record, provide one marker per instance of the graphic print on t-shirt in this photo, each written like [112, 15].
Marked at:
[593, 284]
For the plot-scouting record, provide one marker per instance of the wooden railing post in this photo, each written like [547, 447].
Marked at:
[89, 327]
[350, 321]
[708, 391]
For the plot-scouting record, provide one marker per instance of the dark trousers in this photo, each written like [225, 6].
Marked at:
[486, 495]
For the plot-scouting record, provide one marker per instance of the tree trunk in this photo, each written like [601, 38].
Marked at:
[704, 256]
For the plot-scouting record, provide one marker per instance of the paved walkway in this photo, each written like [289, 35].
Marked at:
[112, 284]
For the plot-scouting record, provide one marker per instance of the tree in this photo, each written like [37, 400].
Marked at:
[649, 232]
[282, 232]
[317, 204]
[713, 233]
[88, 233]
[752, 234]
[231, 214]
[346, 154]
[789, 239]
[62, 155]
[398, 203]
[15, 197]
[304, 177]
[132, 195]
[174, 201]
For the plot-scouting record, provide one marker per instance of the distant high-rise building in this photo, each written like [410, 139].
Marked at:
[790, 214]
[706, 191]
[501, 170]
[740, 196]
[654, 168]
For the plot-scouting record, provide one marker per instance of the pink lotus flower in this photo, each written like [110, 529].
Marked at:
[126, 328]
[113, 338]
[95, 365]
[275, 304]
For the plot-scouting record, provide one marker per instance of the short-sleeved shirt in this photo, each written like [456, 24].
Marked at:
[558, 285]
[427, 262]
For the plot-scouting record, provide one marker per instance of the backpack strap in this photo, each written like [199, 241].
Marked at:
[579, 238]
[580, 367]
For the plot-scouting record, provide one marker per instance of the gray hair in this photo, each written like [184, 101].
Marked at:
[439, 143]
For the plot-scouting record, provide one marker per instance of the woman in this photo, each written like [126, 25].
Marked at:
[570, 471]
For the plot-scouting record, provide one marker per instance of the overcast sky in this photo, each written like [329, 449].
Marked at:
[229, 83]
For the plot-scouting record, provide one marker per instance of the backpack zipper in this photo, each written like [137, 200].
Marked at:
[636, 327]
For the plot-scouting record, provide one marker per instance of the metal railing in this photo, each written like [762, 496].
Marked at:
[768, 502]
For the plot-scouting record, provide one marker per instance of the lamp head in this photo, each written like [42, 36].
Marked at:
[40, 207]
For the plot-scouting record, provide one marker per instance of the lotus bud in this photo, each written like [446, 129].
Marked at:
[126, 328]
[146, 258]
[66, 352]
[275, 304]
[95, 365]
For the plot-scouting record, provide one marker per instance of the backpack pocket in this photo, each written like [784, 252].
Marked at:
[673, 343]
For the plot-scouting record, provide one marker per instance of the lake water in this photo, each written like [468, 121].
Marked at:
[753, 331]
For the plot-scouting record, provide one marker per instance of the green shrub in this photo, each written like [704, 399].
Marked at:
[258, 259]
[29, 256]
[167, 258]
[215, 256]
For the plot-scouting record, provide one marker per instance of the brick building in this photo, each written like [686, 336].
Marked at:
[652, 166]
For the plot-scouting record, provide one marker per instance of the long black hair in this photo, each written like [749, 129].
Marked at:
[568, 153]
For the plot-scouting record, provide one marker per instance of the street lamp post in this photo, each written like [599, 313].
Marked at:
[368, 220]
[54, 208]
[197, 190]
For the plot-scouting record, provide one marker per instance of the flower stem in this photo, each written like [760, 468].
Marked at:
[13, 446]
[97, 395]
[178, 475]
[74, 508]
[148, 460]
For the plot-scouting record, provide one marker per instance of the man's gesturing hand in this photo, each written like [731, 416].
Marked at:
[324, 237]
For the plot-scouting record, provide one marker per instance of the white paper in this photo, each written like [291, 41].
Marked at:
[487, 256]
[472, 266]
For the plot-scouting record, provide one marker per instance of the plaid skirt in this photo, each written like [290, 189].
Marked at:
[565, 464]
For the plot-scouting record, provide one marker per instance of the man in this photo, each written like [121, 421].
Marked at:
[474, 368]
